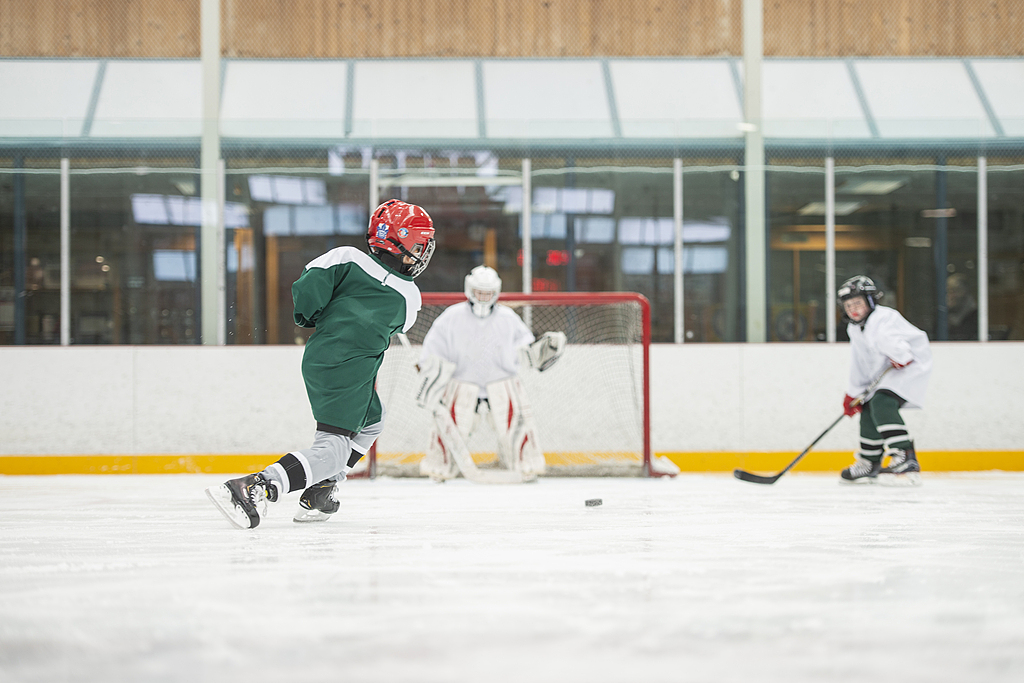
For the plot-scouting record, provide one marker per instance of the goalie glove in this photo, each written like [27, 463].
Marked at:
[543, 353]
[433, 376]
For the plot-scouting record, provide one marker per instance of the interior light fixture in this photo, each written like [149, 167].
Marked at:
[818, 208]
[185, 187]
[875, 186]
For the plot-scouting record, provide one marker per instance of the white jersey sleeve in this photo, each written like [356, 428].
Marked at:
[484, 350]
[886, 336]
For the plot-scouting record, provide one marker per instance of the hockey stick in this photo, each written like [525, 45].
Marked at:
[758, 479]
[453, 442]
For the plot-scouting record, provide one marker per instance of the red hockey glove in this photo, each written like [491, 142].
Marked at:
[849, 409]
[900, 366]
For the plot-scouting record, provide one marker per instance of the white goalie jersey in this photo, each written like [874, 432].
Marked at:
[469, 370]
[484, 350]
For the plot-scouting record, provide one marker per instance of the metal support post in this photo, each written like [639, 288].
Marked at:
[677, 216]
[830, 249]
[756, 254]
[65, 252]
[983, 249]
[211, 233]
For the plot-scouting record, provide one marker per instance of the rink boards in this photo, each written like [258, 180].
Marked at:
[713, 408]
[824, 461]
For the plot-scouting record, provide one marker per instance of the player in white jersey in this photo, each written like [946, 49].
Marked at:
[470, 368]
[880, 339]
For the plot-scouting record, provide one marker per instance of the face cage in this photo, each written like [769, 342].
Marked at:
[868, 299]
[482, 309]
[484, 296]
[422, 260]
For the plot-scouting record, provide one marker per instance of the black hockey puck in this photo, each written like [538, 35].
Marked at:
[593, 502]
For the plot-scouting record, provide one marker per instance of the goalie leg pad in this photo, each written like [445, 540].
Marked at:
[459, 402]
[438, 463]
[512, 419]
[460, 453]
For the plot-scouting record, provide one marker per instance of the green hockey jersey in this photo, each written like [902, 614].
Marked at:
[356, 304]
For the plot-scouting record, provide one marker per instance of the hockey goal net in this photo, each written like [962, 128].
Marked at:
[591, 408]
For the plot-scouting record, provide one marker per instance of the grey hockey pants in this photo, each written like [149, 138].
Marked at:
[332, 456]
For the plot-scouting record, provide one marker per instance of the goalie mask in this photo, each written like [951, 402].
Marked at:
[400, 231]
[483, 287]
[860, 285]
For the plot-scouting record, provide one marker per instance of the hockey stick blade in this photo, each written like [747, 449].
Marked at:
[757, 479]
[743, 475]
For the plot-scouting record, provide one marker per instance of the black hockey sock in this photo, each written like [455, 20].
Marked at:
[295, 471]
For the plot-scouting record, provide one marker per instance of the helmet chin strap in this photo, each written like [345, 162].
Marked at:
[482, 310]
[393, 261]
[390, 260]
[401, 248]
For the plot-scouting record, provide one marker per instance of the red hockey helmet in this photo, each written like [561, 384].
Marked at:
[402, 230]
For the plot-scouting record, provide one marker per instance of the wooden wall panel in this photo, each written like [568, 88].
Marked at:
[99, 28]
[932, 28]
[471, 28]
[510, 28]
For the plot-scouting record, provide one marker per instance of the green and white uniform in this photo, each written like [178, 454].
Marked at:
[356, 304]
[884, 336]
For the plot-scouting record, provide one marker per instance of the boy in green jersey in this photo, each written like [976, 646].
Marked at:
[356, 302]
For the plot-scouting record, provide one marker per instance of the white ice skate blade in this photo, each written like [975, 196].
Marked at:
[862, 481]
[908, 479]
[220, 496]
[303, 516]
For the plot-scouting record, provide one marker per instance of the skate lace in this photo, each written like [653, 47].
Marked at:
[896, 457]
[861, 467]
[258, 496]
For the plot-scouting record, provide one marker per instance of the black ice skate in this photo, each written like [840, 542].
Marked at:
[863, 471]
[318, 502]
[902, 461]
[244, 500]
[903, 468]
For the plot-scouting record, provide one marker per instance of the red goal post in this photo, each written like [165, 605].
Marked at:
[592, 408]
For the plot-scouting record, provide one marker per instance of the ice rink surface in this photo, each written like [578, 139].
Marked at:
[700, 578]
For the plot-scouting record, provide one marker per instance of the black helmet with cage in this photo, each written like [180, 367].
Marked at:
[859, 285]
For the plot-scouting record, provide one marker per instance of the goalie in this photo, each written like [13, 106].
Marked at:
[468, 369]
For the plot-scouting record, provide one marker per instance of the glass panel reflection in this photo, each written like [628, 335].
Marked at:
[133, 251]
[30, 251]
[796, 237]
[1005, 249]
[916, 226]
[291, 218]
